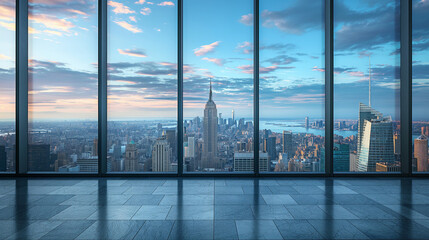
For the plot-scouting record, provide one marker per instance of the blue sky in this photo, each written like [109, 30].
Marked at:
[142, 58]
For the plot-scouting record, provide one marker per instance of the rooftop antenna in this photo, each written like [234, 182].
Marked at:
[210, 96]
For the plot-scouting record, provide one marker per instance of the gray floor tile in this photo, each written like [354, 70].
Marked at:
[257, 229]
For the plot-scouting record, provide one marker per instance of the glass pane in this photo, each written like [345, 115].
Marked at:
[142, 86]
[291, 85]
[420, 85]
[218, 86]
[366, 86]
[63, 86]
[7, 86]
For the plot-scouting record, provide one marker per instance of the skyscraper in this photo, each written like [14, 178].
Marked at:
[270, 147]
[3, 158]
[288, 144]
[131, 161]
[421, 153]
[191, 146]
[209, 158]
[341, 157]
[243, 162]
[376, 144]
[307, 122]
[170, 135]
[397, 144]
[39, 158]
[161, 156]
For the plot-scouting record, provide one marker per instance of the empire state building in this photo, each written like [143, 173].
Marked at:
[209, 158]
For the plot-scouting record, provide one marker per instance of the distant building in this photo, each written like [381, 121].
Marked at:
[170, 135]
[341, 157]
[421, 153]
[39, 158]
[270, 147]
[89, 164]
[288, 144]
[397, 144]
[131, 161]
[388, 167]
[3, 159]
[243, 162]
[307, 122]
[209, 158]
[161, 156]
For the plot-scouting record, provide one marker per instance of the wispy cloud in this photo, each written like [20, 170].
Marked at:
[52, 22]
[8, 26]
[217, 61]
[133, 19]
[166, 3]
[247, 19]
[120, 8]
[245, 47]
[7, 13]
[140, 2]
[145, 11]
[203, 50]
[4, 57]
[129, 27]
[77, 12]
[132, 52]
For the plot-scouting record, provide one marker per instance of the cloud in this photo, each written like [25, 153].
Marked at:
[301, 17]
[316, 68]
[145, 11]
[8, 26]
[140, 2]
[132, 18]
[120, 8]
[77, 12]
[245, 47]
[203, 50]
[7, 13]
[277, 46]
[166, 3]
[128, 26]
[217, 61]
[133, 52]
[53, 32]
[4, 57]
[282, 60]
[247, 19]
[52, 22]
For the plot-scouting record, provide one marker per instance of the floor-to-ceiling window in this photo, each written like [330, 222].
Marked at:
[62, 83]
[218, 86]
[7, 86]
[142, 86]
[366, 86]
[291, 85]
[420, 92]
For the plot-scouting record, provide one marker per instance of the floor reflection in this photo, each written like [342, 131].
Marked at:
[221, 208]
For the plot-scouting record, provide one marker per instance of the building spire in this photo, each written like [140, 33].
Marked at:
[210, 96]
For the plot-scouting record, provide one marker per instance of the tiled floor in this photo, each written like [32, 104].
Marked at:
[283, 208]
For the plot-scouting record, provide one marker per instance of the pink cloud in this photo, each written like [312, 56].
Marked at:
[245, 47]
[132, 52]
[132, 19]
[129, 27]
[166, 3]
[246, 69]
[140, 2]
[8, 26]
[145, 11]
[203, 50]
[4, 57]
[77, 12]
[247, 19]
[52, 22]
[302, 98]
[316, 68]
[217, 61]
[7, 13]
[120, 8]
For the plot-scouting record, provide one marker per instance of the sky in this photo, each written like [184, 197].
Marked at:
[142, 58]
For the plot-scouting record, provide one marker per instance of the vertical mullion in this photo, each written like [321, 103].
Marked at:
[256, 86]
[21, 69]
[329, 86]
[180, 87]
[102, 87]
[406, 86]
